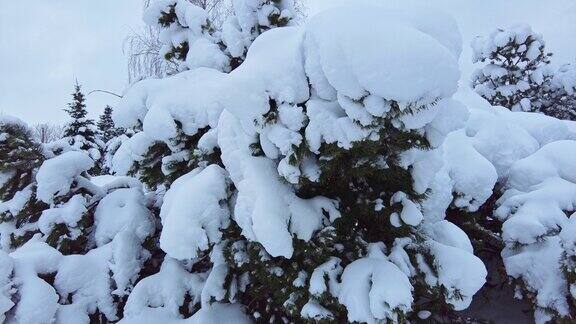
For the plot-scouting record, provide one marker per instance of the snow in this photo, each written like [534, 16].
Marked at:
[538, 267]
[85, 278]
[313, 310]
[449, 234]
[193, 213]
[273, 69]
[566, 78]
[330, 270]
[460, 272]
[328, 123]
[122, 210]
[6, 290]
[104, 179]
[38, 300]
[68, 213]
[540, 191]
[473, 175]
[215, 313]
[159, 103]
[131, 151]
[373, 290]
[12, 120]
[265, 205]
[355, 61]
[328, 82]
[18, 201]
[164, 290]
[410, 213]
[56, 175]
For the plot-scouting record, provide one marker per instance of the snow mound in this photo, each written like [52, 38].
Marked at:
[194, 211]
[56, 175]
[161, 104]
[373, 290]
[122, 210]
[357, 58]
[539, 236]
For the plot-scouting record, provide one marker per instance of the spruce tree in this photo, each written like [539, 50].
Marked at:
[518, 75]
[189, 39]
[249, 20]
[20, 158]
[80, 133]
[166, 161]
[302, 205]
[562, 100]
[517, 72]
[106, 128]
[206, 44]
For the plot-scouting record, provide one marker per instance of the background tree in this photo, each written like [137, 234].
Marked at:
[562, 101]
[46, 133]
[517, 68]
[518, 74]
[80, 133]
[211, 41]
[106, 128]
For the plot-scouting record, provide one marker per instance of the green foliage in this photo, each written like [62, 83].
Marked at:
[20, 158]
[150, 168]
[271, 295]
[168, 17]
[163, 164]
[81, 132]
[362, 179]
[79, 125]
[179, 52]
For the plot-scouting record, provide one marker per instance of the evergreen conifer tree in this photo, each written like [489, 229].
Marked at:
[49, 207]
[517, 72]
[189, 38]
[207, 45]
[562, 101]
[80, 133]
[165, 161]
[518, 75]
[20, 158]
[106, 128]
[302, 203]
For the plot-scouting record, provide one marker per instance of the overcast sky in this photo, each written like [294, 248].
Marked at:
[46, 44]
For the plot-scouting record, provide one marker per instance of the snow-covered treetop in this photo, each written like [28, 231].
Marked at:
[356, 56]
[504, 41]
[517, 67]
[192, 40]
[565, 78]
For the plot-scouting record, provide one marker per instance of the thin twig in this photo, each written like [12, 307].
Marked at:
[105, 91]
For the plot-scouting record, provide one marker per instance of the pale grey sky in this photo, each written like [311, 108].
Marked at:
[46, 44]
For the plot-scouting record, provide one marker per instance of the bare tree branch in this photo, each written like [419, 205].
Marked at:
[46, 133]
[105, 91]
